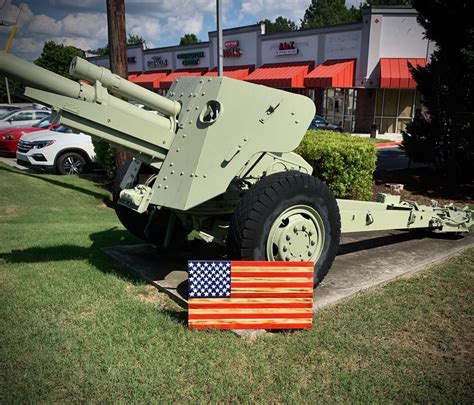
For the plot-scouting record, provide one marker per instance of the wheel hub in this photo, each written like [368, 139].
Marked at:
[296, 235]
[72, 165]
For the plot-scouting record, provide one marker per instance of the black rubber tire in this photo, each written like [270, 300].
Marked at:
[69, 157]
[265, 201]
[136, 223]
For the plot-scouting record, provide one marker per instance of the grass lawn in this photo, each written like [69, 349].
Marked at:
[76, 327]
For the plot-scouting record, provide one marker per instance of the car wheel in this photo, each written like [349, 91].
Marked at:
[287, 216]
[71, 163]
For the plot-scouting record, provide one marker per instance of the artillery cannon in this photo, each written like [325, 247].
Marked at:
[216, 163]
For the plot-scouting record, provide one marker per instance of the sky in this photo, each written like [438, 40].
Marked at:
[83, 23]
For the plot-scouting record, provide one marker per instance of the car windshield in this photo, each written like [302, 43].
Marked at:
[319, 119]
[6, 114]
[45, 122]
[63, 129]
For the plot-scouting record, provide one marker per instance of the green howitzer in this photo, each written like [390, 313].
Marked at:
[216, 162]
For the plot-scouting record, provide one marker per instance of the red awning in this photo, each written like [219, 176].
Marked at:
[395, 73]
[168, 81]
[234, 72]
[150, 80]
[332, 73]
[281, 75]
[132, 76]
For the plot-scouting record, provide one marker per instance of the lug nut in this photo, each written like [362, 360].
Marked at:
[285, 248]
[309, 254]
[310, 233]
[313, 243]
[295, 229]
[287, 258]
[288, 237]
[303, 227]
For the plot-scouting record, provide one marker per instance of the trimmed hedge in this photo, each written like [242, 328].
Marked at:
[345, 163]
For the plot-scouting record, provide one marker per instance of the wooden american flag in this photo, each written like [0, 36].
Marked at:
[250, 295]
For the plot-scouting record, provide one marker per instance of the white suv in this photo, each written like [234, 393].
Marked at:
[59, 149]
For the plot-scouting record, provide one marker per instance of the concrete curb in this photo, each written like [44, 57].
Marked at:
[425, 266]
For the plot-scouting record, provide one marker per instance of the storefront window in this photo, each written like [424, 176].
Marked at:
[395, 108]
[339, 107]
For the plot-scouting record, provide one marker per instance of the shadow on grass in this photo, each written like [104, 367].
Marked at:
[92, 254]
[95, 255]
[58, 183]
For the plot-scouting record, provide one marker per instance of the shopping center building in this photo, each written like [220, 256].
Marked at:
[356, 74]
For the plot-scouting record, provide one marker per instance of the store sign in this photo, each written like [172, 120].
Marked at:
[192, 58]
[157, 61]
[231, 44]
[232, 49]
[286, 48]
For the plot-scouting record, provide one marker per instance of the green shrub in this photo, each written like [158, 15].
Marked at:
[345, 163]
[106, 155]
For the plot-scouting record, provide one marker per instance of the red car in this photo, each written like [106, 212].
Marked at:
[9, 137]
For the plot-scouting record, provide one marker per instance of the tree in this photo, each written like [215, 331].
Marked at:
[189, 39]
[16, 90]
[444, 134]
[135, 40]
[57, 57]
[281, 24]
[131, 40]
[328, 12]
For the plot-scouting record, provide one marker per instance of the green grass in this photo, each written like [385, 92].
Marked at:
[75, 327]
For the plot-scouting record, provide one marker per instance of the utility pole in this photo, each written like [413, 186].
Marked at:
[220, 53]
[118, 53]
[7, 47]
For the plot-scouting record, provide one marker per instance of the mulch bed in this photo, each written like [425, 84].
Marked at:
[422, 185]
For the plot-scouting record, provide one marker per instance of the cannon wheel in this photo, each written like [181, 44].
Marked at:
[289, 216]
[136, 223]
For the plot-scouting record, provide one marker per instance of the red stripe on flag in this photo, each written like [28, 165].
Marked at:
[240, 284]
[270, 264]
[249, 316]
[269, 274]
[237, 325]
[271, 295]
[252, 305]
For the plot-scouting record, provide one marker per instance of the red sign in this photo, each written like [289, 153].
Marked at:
[232, 53]
[232, 49]
[231, 44]
[286, 45]
[286, 48]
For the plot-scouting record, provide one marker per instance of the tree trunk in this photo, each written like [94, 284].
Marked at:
[118, 54]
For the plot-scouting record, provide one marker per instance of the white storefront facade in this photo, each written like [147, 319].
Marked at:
[357, 74]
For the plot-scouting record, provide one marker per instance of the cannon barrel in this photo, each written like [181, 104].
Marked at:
[82, 69]
[39, 78]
